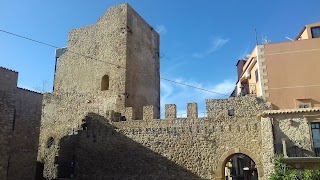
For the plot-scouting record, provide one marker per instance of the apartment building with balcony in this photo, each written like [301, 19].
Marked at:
[286, 74]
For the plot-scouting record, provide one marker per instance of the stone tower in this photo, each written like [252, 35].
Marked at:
[111, 69]
[115, 60]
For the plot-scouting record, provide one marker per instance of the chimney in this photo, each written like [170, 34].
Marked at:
[240, 65]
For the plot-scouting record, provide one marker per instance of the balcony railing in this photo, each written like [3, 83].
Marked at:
[248, 89]
[295, 149]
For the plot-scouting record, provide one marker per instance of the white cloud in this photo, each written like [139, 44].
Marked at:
[172, 93]
[215, 44]
[198, 55]
[161, 29]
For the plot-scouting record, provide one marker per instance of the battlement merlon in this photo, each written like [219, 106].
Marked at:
[149, 113]
[170, 111]
[192, 110]
[129, 113]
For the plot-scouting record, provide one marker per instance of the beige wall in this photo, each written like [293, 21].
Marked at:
[293, 73]
[121, 45]
[185, 148]
[304, 35]
[306, 31]
[255, 85]
[124, 47]
[143, 73]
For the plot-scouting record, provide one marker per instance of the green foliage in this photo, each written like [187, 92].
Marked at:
[311, 175]
[284, 172]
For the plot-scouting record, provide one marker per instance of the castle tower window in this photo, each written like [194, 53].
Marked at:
[50, 142]
[105, 83]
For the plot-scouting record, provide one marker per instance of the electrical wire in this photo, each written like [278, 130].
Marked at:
[92, 58]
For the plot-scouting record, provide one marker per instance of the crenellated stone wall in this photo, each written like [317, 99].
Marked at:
[170, 111]
[186, 148]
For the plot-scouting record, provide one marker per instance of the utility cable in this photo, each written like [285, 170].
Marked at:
[92, 58]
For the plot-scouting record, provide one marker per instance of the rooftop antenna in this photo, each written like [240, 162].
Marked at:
[265, 40]
[289, 38]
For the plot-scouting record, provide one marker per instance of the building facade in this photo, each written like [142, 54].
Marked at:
[20, 114]
[286, 76]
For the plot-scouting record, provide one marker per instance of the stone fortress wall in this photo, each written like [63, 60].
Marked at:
[111, 66]
[103, 116]
[187, 148]
[20, 114]
[103, 112]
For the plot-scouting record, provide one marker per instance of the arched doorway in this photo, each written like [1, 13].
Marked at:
[240, 167]
[238, 164]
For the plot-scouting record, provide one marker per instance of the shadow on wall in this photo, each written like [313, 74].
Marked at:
[294, 147]
[100, 151]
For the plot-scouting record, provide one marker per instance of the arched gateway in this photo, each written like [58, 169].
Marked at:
[219, 174]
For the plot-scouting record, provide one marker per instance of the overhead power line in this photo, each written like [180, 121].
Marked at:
[23, 37]
[92, 58]
[202, 89]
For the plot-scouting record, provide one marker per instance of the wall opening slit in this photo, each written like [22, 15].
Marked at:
[105, 83]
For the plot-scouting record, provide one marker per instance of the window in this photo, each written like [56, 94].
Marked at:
[231, 112]
[123, 118]
[105, 83]
[315, 31]
[304, 105]
[315, 128]
[257, 75]
[50, 142]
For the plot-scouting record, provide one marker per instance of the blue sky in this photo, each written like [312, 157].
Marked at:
[201, 41]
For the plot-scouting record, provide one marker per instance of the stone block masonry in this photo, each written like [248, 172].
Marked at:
[20, 112]
[104, 115]
[116, 83]
[183, 148]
